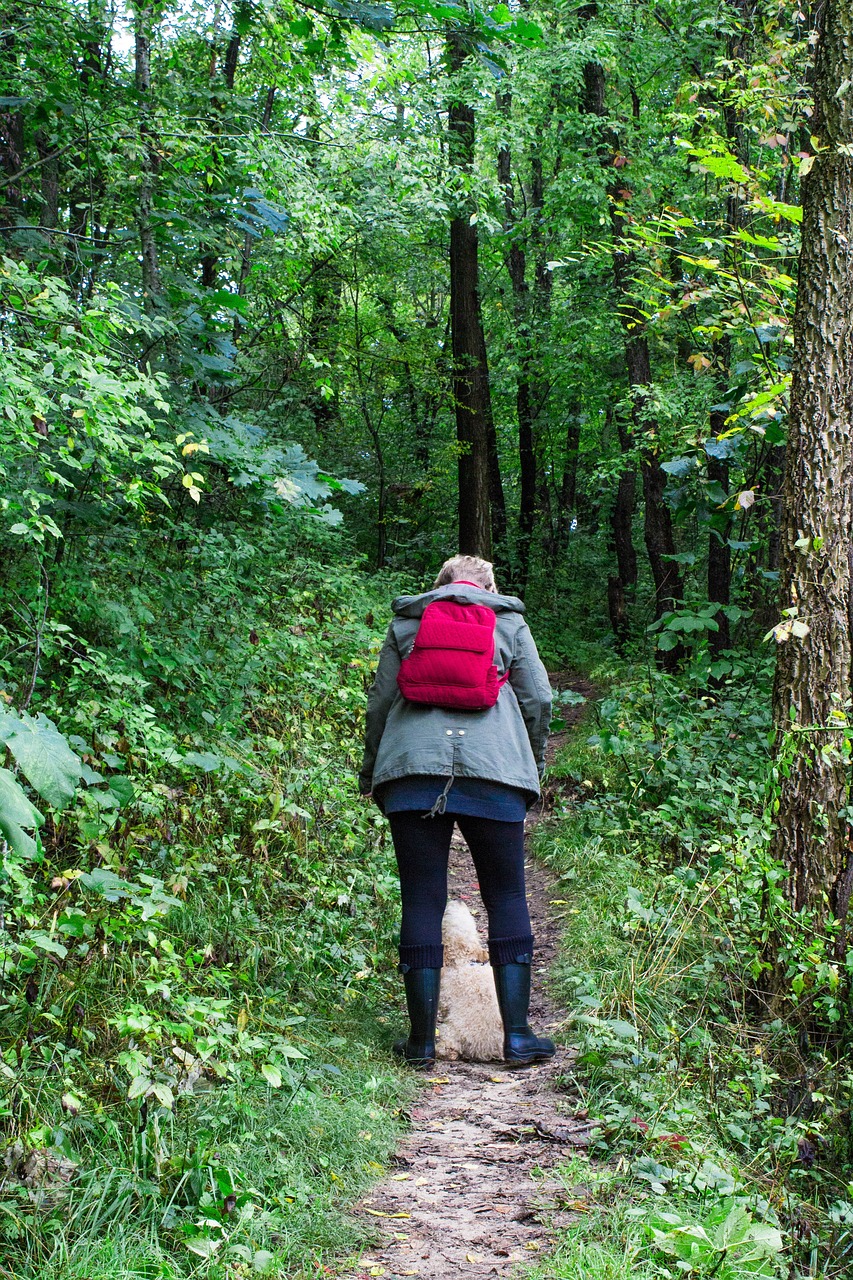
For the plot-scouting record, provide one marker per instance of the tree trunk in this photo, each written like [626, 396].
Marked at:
[474, 422]
[719, 551]
[516, 264]
[813, 672]
[539, 388]
[49, 214]
[622, 526]
[657, 528]
[151, 286]
[11, 127]
[417, 423]
[569, 484]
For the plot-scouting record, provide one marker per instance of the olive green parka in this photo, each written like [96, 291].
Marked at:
[504, 743]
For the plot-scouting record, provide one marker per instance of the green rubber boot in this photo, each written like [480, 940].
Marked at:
[422, 986]
[521, 1045]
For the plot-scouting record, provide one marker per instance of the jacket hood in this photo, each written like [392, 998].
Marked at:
[459, 593]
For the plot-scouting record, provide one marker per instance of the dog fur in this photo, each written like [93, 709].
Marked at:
[469, 1020]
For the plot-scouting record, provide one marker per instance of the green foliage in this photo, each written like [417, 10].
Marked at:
[218, 296]
[728, 1243]
[712, 1101]
[78, 419]
[193, 954]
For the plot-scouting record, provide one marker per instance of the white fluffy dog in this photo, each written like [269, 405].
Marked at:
[469, 1020]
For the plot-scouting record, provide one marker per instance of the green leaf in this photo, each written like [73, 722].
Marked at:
[271, 1074]
[17, 812]
[725, 166]
[203, 1246]
[45, 758]
[38, 938]
[164, 1095]
[625, 1030]
[122, 789]
[679, 467]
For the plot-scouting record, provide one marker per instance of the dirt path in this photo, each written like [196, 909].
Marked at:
[470, 1190]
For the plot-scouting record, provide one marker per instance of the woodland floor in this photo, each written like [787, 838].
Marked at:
[473, 1187]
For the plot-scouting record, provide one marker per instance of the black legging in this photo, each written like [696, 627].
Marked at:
[422, 846]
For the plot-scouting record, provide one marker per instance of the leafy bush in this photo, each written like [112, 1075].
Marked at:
[191, 917]
[710, 1098]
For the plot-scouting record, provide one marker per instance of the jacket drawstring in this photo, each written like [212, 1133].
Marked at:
[441, 803]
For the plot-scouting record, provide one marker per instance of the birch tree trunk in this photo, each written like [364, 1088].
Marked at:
[813, 671]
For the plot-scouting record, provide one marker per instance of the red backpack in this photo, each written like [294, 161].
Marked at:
[452, 662]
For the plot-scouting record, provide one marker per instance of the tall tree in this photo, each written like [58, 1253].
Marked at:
[813, 673]
[144, 19]
[474, 422]
[516, 263]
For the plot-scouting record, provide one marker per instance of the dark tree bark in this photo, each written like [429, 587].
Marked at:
[326, 290]
[569, 483]
[11, 126]
[594, 103]
[540, 315]
[813, 672]
[478, 483]
[657, 525]
[622, 528]
[516, 263]
[417, 419]
[49, 213]
[719, 551]
[87, 185]
[622, 516]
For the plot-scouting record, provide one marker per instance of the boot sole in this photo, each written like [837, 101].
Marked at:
[528, 1059]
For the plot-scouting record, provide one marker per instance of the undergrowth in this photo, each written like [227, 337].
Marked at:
[724, 1146]
[194, 1076]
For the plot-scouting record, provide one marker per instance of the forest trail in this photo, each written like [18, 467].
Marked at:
[472, 1188]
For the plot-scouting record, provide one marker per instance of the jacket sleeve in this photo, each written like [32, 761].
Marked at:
[532, 688]
[382, 693]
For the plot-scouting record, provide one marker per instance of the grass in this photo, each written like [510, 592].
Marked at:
[640, 970]
[242, 1174]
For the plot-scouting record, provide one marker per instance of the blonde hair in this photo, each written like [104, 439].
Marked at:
[469, 569]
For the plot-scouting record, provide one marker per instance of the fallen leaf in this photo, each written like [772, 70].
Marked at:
[438, 1079]
[401, 1177]
[377, 1213]
[469, 1257]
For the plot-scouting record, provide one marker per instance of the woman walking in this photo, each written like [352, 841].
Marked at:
[460, 748]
